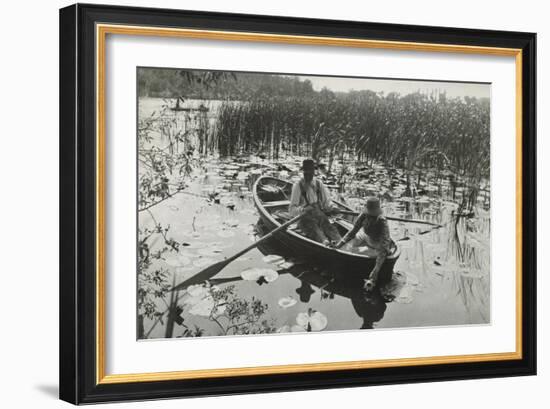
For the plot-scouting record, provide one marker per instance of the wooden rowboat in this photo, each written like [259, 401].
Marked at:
[272, 197]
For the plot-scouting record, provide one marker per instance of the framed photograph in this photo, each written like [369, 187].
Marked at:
[257, 203]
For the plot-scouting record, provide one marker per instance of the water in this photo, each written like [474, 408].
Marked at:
[215, 217]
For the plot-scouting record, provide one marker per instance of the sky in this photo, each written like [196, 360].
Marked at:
[403, 87]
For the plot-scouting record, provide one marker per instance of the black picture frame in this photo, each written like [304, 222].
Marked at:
[78, 236]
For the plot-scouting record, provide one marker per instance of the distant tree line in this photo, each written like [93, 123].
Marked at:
[217, 85]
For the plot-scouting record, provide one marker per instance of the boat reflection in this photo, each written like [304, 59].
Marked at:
[370, 306]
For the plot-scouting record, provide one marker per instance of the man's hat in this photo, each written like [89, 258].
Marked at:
[372, 206]
[308, 164]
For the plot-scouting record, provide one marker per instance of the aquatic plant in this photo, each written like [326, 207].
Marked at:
[287, 302]
[232, 315]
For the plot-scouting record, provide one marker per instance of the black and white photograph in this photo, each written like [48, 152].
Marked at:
[278, 203]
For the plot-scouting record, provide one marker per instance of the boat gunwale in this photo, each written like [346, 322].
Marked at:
[393, 257]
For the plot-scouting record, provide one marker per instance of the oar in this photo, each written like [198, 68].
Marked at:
[214, 269]
[397, 219]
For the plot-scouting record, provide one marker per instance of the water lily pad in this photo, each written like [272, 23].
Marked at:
[270, 275]
[251, 274]
[203, 262]
[312, 320]
[247, 228]
[471, 273]
[199, 299]
[210, 251]
[183, 272]
[273, 259]
[256, 274]
[231, 222]
[195, 245]
[220, 310]
[243, 258]
[205, 222]
[189, 254]
[285, 265]
[178, 261]
[405, 295]
[412, 279]
[197, 290]
[203, 308]
[287, 302]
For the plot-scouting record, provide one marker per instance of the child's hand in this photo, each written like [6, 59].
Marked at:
[369, 285]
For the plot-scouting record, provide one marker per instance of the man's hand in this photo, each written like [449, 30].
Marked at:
[331, 212]
[307, 209]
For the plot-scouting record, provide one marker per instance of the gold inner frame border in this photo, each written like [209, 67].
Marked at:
[102, 30]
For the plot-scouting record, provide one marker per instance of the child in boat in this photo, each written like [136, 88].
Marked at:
[371, 230]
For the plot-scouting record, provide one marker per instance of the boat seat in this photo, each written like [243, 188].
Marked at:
[277, 203]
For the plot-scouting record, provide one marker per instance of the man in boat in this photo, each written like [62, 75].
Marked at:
[310, 196]
[371, 230]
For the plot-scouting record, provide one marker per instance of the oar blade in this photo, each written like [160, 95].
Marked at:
[214, 269]
[203, 275]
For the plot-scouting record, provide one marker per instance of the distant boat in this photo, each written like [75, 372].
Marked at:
[271, 196]
[178, 108]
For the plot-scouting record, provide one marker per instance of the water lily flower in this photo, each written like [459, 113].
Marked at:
[312, 320]
[260, 275]
[287, 302]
